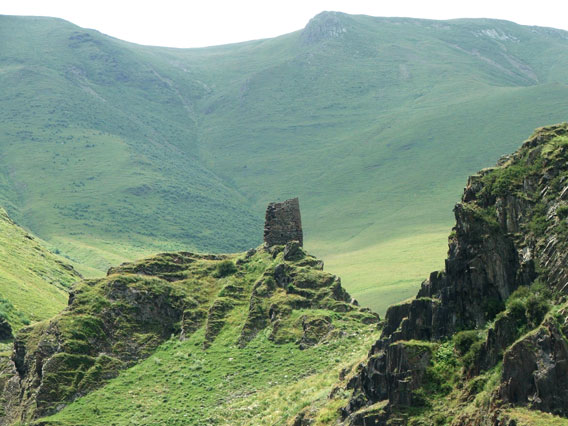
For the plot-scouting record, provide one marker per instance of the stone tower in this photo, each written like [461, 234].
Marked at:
[283, 223]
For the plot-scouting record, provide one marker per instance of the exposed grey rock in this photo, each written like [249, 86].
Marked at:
[314, 290]
[293, 251]
[324, 26]
[535, 370]
[315, 329]
[5, 329]
[283, 223]
[493, 250]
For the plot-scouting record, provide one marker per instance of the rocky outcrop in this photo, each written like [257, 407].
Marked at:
[283, 223]
[291, 285]
[511, 228]
[5, 329]
[114, 322]
[535, 369]
[109, 324]
[324, 26]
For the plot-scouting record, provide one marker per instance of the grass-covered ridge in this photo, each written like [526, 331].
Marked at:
[112, 151]
[216, 338]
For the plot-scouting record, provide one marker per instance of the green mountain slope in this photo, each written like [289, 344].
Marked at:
[111, 150]
[91, 150]
[34, 283]
[240, 339]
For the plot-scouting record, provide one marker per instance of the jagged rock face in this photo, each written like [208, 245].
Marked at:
[535, 370]
[5, 329]
[283, 223]
[284, 287]
[484, 266]
[392, 374]
[324, 26]
[110, 324]
[511, 227]
[74, 352]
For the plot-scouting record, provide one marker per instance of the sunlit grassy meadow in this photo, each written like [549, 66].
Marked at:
[391, 271]
[34, 283]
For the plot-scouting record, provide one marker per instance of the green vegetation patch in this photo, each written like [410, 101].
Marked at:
[299, 347]
[224, 268]
[182, 384]
[267, 324]
[34, 282]
[527, 417]
[528, 305]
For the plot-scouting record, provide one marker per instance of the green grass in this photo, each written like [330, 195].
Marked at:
[182, 384]
[111, 151]
[526, 417]
[390, 271]
[33, 281]
[208, 377]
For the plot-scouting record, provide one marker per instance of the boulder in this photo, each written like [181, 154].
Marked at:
[5, 329]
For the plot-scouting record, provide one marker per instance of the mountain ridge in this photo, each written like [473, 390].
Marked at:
[273, 301]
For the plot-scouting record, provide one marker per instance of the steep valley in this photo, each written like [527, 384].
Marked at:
[139, 287]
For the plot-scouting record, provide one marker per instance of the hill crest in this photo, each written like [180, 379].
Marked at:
[278, 295]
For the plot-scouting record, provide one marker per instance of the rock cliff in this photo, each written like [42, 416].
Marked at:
[489, 333]
[324, 26]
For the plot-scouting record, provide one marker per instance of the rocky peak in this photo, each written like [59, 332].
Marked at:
[324, 26]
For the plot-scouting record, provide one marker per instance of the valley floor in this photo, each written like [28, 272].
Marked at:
[389, 271]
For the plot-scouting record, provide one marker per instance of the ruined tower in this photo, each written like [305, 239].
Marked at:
[283, 223]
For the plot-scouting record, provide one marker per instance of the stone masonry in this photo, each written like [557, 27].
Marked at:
[283, 223]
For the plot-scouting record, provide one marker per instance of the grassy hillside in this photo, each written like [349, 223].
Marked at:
[240, 339]
[182, 384]
[111, 150]
[34, 283]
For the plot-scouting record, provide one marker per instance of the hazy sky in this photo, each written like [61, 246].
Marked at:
[195, 23]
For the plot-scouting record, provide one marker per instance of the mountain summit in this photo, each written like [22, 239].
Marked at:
[324, 26]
